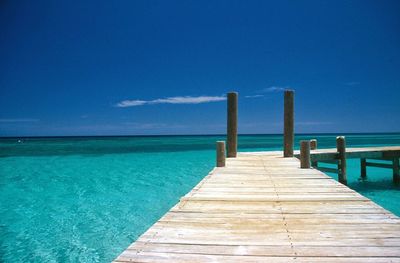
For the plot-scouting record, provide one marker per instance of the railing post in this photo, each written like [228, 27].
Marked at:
[220, 153]
[288, 123]
[342, 166]
[305, 154]
[396, 170]
[232, 123]
[313, 146]
[363, 163]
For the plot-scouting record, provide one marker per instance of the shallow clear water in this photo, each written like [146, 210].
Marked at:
[87, 199]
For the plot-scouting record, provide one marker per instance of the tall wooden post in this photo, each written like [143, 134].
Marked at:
[305, 154]
[342, 165]
[220, 153]
[232, 123]
[363, 163]
[288, 123]
[396, 170]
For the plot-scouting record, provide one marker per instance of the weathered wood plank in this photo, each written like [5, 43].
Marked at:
[310, 251]
[384, 152]
[199, 258]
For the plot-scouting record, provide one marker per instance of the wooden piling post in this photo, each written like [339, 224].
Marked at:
[220, 153]
[313, 144]
[342, 165]
[363, 163]
[232, 124]
[305, 154]
[288, 129]
[396, 170]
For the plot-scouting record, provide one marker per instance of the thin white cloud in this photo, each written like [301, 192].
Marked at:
[254, 96]
[130, 103]
[171, 100]
[18, 120]
[274, 89]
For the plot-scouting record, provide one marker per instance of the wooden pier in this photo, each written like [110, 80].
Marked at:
[262, 207]
[273, 207]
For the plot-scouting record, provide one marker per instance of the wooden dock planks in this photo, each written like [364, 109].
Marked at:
[264, 208]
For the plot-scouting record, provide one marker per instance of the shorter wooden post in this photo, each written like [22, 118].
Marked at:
[342, 166]
[305, 154]
[396, 170]
[313, 144]
[220, 153]
[363, 162]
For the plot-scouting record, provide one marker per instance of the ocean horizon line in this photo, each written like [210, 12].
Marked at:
[186, 135]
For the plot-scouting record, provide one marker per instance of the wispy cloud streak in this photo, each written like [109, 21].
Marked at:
[254, 96]
[274, 89]
[170, 100]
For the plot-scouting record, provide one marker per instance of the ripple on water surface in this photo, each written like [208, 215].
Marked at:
[88, 208]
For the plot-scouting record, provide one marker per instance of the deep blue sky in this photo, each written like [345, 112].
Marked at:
[65, 66]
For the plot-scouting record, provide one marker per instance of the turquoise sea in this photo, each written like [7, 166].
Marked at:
[85, 199]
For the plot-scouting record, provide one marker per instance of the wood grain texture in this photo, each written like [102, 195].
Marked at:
[382, 152]
[232, 124]
[288, 123]
[262, 207]
[221, 156]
